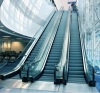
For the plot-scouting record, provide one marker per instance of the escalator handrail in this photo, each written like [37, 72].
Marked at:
[41, 30]
[36, 39]
[4, 64]
[48, 46]
[59, 69]
[86, 62]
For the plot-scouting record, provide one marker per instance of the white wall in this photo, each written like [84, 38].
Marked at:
[12, 46]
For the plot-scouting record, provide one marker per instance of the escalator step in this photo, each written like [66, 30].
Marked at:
[76, 76]
[75, 69]
[49, 71]
[49, 67]
[75, 65]
[76, 72]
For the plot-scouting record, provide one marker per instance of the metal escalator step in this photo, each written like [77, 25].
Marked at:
[59, 38]
[75, 65]
[51, 64]
[32, 54]
[49, 67]
[77, 50]
[46, 74]
[75, 53]
[75, 37]
[75, 45]
[52, 61]
[76, 76]
[57, 44]
[52, 55]
[75, 61]
[55, 52]
[76, 80]
[49, 71]
[75, 58]
[37, 48]
[73, 40]
[76, 72]
[35, 51]
[43, 78]
[54, 46]
[58, 48]
[75, 68]
[53, 58]
[31, 58]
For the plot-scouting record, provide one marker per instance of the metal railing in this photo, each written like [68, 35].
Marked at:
[61, 69]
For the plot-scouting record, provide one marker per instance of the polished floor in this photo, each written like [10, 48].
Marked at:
[16, 86]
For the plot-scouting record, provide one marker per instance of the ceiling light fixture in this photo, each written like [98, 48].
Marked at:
[6, 36]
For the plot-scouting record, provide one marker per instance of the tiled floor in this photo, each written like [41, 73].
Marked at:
[16, 86]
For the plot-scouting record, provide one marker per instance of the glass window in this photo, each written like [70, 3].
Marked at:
[20, 14]
[7, 2]
[26, 2]
[17, 14]
[21, 17]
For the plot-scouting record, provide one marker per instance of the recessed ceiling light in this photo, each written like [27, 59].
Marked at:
[18, 38]
[5, 36]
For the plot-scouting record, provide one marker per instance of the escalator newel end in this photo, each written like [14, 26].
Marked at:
[92, 83]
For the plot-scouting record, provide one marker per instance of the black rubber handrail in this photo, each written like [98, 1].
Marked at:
[87, 66]
[61, 69]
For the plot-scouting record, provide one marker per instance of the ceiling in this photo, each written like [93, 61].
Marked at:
[7, 34]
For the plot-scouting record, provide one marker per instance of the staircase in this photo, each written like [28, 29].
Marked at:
[76, 71]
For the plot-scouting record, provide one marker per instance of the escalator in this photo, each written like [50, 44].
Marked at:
[12, 69]
[76, 70]
[55, 52]
[34, 53]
